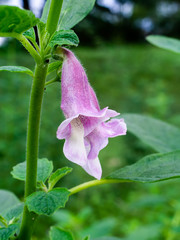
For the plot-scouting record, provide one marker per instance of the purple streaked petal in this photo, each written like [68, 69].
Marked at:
[64, 130]
[114, 128]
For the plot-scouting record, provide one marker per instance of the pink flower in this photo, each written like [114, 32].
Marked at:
[87, 128]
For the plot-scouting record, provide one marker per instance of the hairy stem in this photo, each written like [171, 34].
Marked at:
[93, 184]
[53, 17]
[33, 145]
[36, 98]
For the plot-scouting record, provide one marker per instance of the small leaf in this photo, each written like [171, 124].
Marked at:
[57, 233]
[45, 168]
[6, 233]
[57, 175]
[54, 66]
[73, 11]
[152, 168]
[30, 34]
[166, 43]
[159, 135]
[7, 200]
[17, 69]
[14, 212]
[46, 203]
[3, 221]
[64, 38]
[16, 20]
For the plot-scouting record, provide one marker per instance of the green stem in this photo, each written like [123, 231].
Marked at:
[56, 79]
[34, 119]
[25, 43]
[33, 145]
[53, 17]
[93, 184]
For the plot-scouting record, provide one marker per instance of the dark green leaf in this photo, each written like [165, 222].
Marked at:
[45, 168]
[57, 233]
[152, 168]
[167, 43]
[14, 212]
[30, 34]
[15, 20]
[54, 66]
[46, 203]
[6, 233]
[73, 11]
[64, 38]
[57, 175]
[17, 69]
[159, 135]
[7, 200]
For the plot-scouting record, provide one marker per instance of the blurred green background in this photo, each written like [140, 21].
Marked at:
[128, 77]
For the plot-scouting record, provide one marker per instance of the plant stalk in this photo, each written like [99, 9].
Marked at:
[53, 17]
[33, 146]
[33, 130]
[93, 183]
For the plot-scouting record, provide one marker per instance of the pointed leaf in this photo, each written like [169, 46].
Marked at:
[15, 20]
[46, 203]
[73, 11]
[57, 175]
[17, 69]
[54, 66]
[44, 170]
[7, 200]
[159, 135]
[64, 38]
[30, 34]
[6, 233]
[152, 168]
[166, 43]
[57, 233]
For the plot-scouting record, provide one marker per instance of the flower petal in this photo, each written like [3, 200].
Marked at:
[114, 128]
[64, 128]
[74, 147]
[93, 168]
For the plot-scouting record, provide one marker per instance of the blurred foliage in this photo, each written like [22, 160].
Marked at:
[139, 79]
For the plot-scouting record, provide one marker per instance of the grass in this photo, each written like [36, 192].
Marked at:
[136, 79]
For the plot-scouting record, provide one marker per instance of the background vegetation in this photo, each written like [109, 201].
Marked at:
[133, 78]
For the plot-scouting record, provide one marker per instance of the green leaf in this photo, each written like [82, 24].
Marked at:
[57, 233]
[6, 233]
[17, 69]
[14, 212]
[46, 203]
[15, 20]
[152, 168]
[167, 43]
[159, 135]
[73, 11]
[64, 38]
[45, 168]
[30, 34]
[7, 200]
[57, 175]
[54, 66]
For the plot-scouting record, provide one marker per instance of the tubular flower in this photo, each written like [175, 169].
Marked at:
[87, 128]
